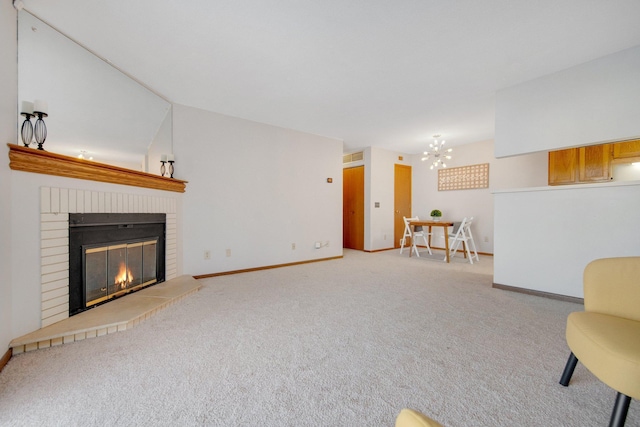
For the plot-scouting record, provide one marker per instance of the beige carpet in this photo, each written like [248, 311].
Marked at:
[338, 343]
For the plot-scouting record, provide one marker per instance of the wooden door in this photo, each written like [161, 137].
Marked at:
[402, 201]
[595, 163]
[353, 208]
[562, 166]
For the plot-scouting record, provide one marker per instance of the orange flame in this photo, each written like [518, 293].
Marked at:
[124, 277]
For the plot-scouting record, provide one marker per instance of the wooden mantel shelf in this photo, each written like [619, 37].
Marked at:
[40, 161]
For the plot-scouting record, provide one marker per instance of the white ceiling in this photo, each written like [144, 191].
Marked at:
[370, 72]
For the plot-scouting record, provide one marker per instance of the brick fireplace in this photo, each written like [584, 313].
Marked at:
[55, 206]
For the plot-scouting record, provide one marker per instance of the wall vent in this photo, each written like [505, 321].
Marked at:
[353, 157]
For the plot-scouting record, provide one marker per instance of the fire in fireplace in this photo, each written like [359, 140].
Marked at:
[113, 254]
[111, 271]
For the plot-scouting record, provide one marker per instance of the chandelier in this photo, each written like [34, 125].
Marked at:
[437, 154]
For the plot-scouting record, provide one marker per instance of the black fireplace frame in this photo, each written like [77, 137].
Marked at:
[90, 229]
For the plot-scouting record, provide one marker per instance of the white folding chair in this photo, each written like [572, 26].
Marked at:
[463, 235]
[416, 234]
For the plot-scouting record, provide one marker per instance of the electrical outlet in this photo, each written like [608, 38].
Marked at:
[207, 254]
[318, 245]
[293, 246]
[486, 239]
[228, 252]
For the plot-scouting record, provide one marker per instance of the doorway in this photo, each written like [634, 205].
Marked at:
[402, 200]
[353, 208]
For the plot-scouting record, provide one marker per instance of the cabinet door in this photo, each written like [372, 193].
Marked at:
[626, 149]
[562, 166]
[595, 163]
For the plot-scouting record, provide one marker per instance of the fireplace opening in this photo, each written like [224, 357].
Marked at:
[111, 255]
[112, 271]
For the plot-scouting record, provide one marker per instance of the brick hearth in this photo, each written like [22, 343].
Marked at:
[116, 316]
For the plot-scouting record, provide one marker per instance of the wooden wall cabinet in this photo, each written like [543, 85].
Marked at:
[580, 165]
[563, 166]
[626, 151]
[594, 163]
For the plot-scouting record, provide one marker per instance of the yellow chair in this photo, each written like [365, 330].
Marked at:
[411, 418]
[605, 337]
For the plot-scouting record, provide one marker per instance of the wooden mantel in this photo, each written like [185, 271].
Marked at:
[40, 161]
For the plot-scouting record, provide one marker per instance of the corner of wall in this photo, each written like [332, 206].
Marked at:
[9, 132]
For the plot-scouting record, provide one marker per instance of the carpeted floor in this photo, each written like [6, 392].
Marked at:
[348, 342]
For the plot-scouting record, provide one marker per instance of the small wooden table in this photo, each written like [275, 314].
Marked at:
[430, 223]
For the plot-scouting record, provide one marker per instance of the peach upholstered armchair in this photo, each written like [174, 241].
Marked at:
[605, 337]
[412, 418]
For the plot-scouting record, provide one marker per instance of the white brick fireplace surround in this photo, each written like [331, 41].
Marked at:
[55, 206]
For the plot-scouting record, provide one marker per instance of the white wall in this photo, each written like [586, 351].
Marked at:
[161, 144]
[515, 172]
[590, 103]
[379, 187]
[548, 235]
[626, 172]
[8, 130]
[565, 227]
[255, 189]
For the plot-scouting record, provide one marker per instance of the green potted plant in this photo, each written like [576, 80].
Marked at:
[435, 215]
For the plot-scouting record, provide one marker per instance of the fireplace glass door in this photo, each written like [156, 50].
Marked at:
[114, 270]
